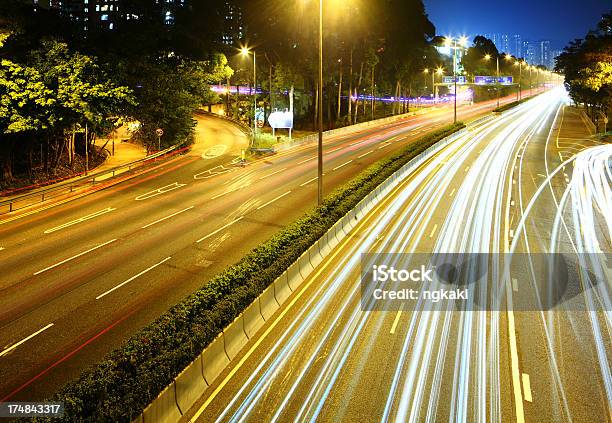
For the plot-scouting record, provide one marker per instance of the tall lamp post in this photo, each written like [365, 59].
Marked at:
[320, 108]
[520, 63]
[455, 44]
[487, 58]
[245, 52]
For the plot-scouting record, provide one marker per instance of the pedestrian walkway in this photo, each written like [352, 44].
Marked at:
[125, 152]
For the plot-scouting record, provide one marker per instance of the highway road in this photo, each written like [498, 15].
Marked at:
[80, 278]
[529, 183]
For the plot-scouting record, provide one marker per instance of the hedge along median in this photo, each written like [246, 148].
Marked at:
[120, 387]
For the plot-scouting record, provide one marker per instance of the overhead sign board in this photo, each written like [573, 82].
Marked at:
[491, 80]
[281, 120]
[450, 80]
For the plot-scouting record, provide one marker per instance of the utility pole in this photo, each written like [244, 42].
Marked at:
[86, 149]
[320, 150]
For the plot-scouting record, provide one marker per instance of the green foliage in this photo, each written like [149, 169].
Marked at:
[587, 66]
[130, 378]
[509, 105]
[24, 99]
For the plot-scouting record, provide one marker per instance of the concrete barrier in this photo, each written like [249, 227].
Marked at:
[332, 240]
[325, 248]
[190, 385]
[304, 265]
[340, 233]
[214, 359]
[315, 254]
[294, 277]
[164, 408]
[268, 303]
[282, 289]
[235, 337]
[253, 319]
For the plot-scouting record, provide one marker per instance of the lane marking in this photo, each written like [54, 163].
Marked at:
[511, 233]
[527, 388]
[514, 284]
[74, 257]
[228, 192]
[363, 155]
[2, 248]
[212, 172]
[396, 321]
[309, 181]
[15, 345]
[334, 150]
[453, 192]
[220, 229]
[167, 217]
[306, 161]
[433, 231]
[383, 146]
[132, 278]
[512, 203]
[272, 174]
[342, 165]
[80, 220]
[160, 191]
[467, 169]
[272, 201]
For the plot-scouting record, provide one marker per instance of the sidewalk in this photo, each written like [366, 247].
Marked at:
[125, 152]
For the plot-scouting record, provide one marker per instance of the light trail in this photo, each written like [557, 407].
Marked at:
[447, 363]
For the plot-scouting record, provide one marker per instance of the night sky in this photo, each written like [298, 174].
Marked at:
[557, 20]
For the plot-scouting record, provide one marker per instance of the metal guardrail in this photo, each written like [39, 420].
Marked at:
[45, 194]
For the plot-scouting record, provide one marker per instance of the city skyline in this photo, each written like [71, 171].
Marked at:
[543, 22]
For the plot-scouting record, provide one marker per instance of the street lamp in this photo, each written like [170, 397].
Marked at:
[487, 58]
[440, 72]
[519, 94]
[455, 44]
[245, 52]
[320, 145]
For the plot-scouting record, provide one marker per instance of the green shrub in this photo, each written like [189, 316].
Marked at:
[120, 387]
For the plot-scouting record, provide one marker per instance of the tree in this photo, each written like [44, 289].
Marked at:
[587, 66]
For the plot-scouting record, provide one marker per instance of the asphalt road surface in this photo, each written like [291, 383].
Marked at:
[79, 279]
[530, 182]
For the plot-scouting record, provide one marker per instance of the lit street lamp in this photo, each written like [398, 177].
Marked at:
[455, 44]
[245, 52]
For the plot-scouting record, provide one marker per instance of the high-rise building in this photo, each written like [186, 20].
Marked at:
[107, 14]
[233, 24]
[517, 46]
[544, 53]
[529, 52]
[501, 41]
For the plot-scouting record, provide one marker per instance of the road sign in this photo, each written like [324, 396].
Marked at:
[451, 80]
[491, 80]
[159, 132]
